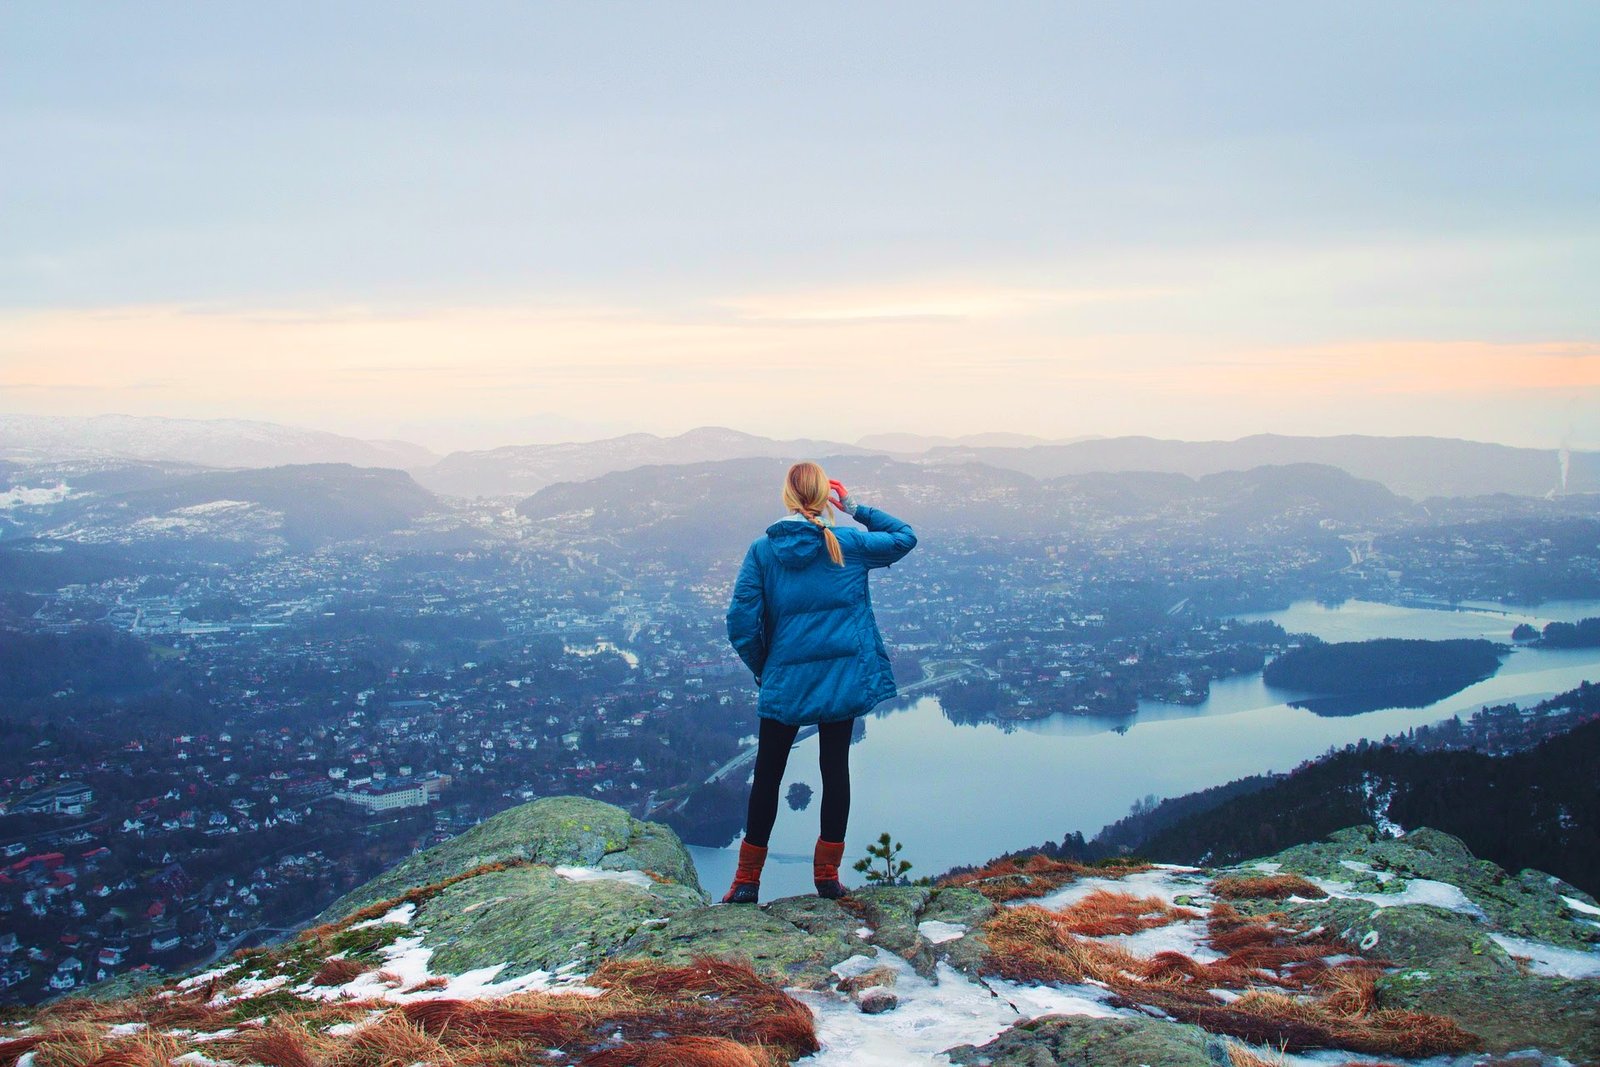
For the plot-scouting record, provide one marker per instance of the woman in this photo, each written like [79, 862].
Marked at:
[801, 619]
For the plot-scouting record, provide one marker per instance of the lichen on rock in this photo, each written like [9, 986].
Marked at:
[552, 831]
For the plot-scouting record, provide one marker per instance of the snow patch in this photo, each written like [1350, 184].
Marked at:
[1417, 891]
[1552, 960]
[1168, 883]
[206, 976]
[939, 932]
[20, 496]
[1366, 868]
[402, 915]
[212, 506]
[597, 874]
[1188, 938]
[407, 959]
[1580, 906]
[248, 987]
[124, 1029]
[932, 1016]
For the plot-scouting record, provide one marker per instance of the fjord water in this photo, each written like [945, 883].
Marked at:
[956, 794]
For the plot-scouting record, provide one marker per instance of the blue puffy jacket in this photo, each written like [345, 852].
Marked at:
[805, 627]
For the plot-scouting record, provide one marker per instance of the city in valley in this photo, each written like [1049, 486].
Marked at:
[227, 698]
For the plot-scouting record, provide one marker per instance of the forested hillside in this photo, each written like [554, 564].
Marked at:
[1539, 808]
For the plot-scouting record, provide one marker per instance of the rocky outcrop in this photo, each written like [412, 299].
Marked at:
[562, 891]
[1529, 904]
[554, 831]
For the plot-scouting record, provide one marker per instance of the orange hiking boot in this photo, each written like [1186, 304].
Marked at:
[825, 868]
[747, 878]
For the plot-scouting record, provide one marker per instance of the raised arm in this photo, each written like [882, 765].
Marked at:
[746, 628]
[887, 539]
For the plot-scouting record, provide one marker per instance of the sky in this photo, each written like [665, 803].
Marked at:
[485, 223]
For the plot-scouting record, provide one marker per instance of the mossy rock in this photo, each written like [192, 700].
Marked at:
[776, 948]
[555, 831]
[531, 918]
[1527, 905]
[968, 907]
[1081, 1041]
[1509, 1012]
[1418, 936]
[819, 916]
[893, 913]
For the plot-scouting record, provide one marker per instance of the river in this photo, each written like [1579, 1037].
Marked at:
[961, 794]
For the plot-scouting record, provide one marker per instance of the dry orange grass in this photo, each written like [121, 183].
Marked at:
[280, 1043]
[1102, 913]
[1239, 1056]
[436, 982]
[340, 970]
[710, 996]
[1336, 1008]
[12, 1050]
[679, 1052]
[481, 1021]
[73, 1044]
[1019, 879]
[147, 1048]
[1266, 887]
[708, 1012]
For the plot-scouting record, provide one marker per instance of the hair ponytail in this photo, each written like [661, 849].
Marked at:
[805, 490]
[835, 553]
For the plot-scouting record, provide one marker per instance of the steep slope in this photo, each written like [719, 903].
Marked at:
[565, 932]
[1539, 808]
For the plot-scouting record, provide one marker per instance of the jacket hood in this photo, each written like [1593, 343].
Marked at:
[795, 542]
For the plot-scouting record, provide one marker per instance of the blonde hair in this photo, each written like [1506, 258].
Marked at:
[805, 490]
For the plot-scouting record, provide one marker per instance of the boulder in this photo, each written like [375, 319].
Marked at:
[555, 831]
[1081, 1041]
[1412, 935]
[1509, 1012]
[531, 918]
[1526, 905]
[772, 945]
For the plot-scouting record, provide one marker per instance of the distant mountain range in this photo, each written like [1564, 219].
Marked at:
[522, 469]
[208, 442]
[709, 510]
[1414, 467]
[1417, 467]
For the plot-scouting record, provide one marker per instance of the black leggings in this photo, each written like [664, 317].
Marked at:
[772, 756]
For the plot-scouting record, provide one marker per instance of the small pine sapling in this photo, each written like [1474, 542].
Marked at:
[887, 852]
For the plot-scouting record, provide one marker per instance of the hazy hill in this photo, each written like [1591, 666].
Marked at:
[912, 443]
[1416, 467]
[299, 505]
[710, 510]
[516, 470]
[209, 442]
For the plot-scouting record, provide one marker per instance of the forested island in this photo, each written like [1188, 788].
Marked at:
[1350, 677]
[1585, 633]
